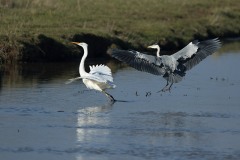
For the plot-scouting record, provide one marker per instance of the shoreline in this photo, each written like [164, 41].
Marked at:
[47, 49]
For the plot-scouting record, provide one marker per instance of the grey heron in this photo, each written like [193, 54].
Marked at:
[172, 67]
[99, 78]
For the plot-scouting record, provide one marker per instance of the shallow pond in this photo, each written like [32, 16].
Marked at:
[43, 118]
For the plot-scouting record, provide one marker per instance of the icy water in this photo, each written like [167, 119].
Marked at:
[43, 118]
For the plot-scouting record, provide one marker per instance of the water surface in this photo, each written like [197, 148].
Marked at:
[43, 118]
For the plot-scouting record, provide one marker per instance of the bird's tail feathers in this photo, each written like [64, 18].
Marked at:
[174, 77]
[72, 80]
[112, 85]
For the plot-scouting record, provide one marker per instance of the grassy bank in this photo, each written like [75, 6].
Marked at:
[40, 30]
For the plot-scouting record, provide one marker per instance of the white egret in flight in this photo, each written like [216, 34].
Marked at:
[172, 67]
[99, 78]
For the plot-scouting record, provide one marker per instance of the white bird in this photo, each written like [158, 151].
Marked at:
[172, 67]
[99, 78]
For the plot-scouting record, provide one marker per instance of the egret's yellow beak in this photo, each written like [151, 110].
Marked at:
[75, 43]
[155, 46]
[149, 46]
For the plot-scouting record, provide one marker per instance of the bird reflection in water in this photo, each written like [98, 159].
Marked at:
[93, 121]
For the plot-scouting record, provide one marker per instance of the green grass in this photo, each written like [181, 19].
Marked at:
[135, 22]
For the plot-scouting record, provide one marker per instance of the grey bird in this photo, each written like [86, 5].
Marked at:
[172, 67]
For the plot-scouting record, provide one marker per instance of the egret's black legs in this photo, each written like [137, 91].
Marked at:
[109, 96]
[113, 100]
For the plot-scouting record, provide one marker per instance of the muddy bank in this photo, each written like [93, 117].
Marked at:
[46, 49]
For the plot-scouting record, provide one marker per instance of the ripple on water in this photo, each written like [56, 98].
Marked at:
[184, 114]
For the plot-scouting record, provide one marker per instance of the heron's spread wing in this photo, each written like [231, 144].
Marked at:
[101, 72]
[205, 48]
[197, 49]
[139, 61]
[186, 52]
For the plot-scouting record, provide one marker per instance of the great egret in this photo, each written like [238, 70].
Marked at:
[172, 67]
[99, 78]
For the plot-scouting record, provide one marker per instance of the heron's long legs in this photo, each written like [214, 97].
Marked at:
[166, 88]
[109, 96]
[170, 87]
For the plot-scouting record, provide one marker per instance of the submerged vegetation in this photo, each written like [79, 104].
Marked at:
[40, 30]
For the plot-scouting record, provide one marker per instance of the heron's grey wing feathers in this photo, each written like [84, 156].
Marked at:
[205, 48]
[139, 61]
[186, 52]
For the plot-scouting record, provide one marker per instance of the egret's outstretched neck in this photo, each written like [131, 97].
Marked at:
[81, 66]
[158, 51]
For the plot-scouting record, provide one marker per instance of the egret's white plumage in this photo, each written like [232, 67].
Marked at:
[172, 67]
[101, 71]
[99, 78]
